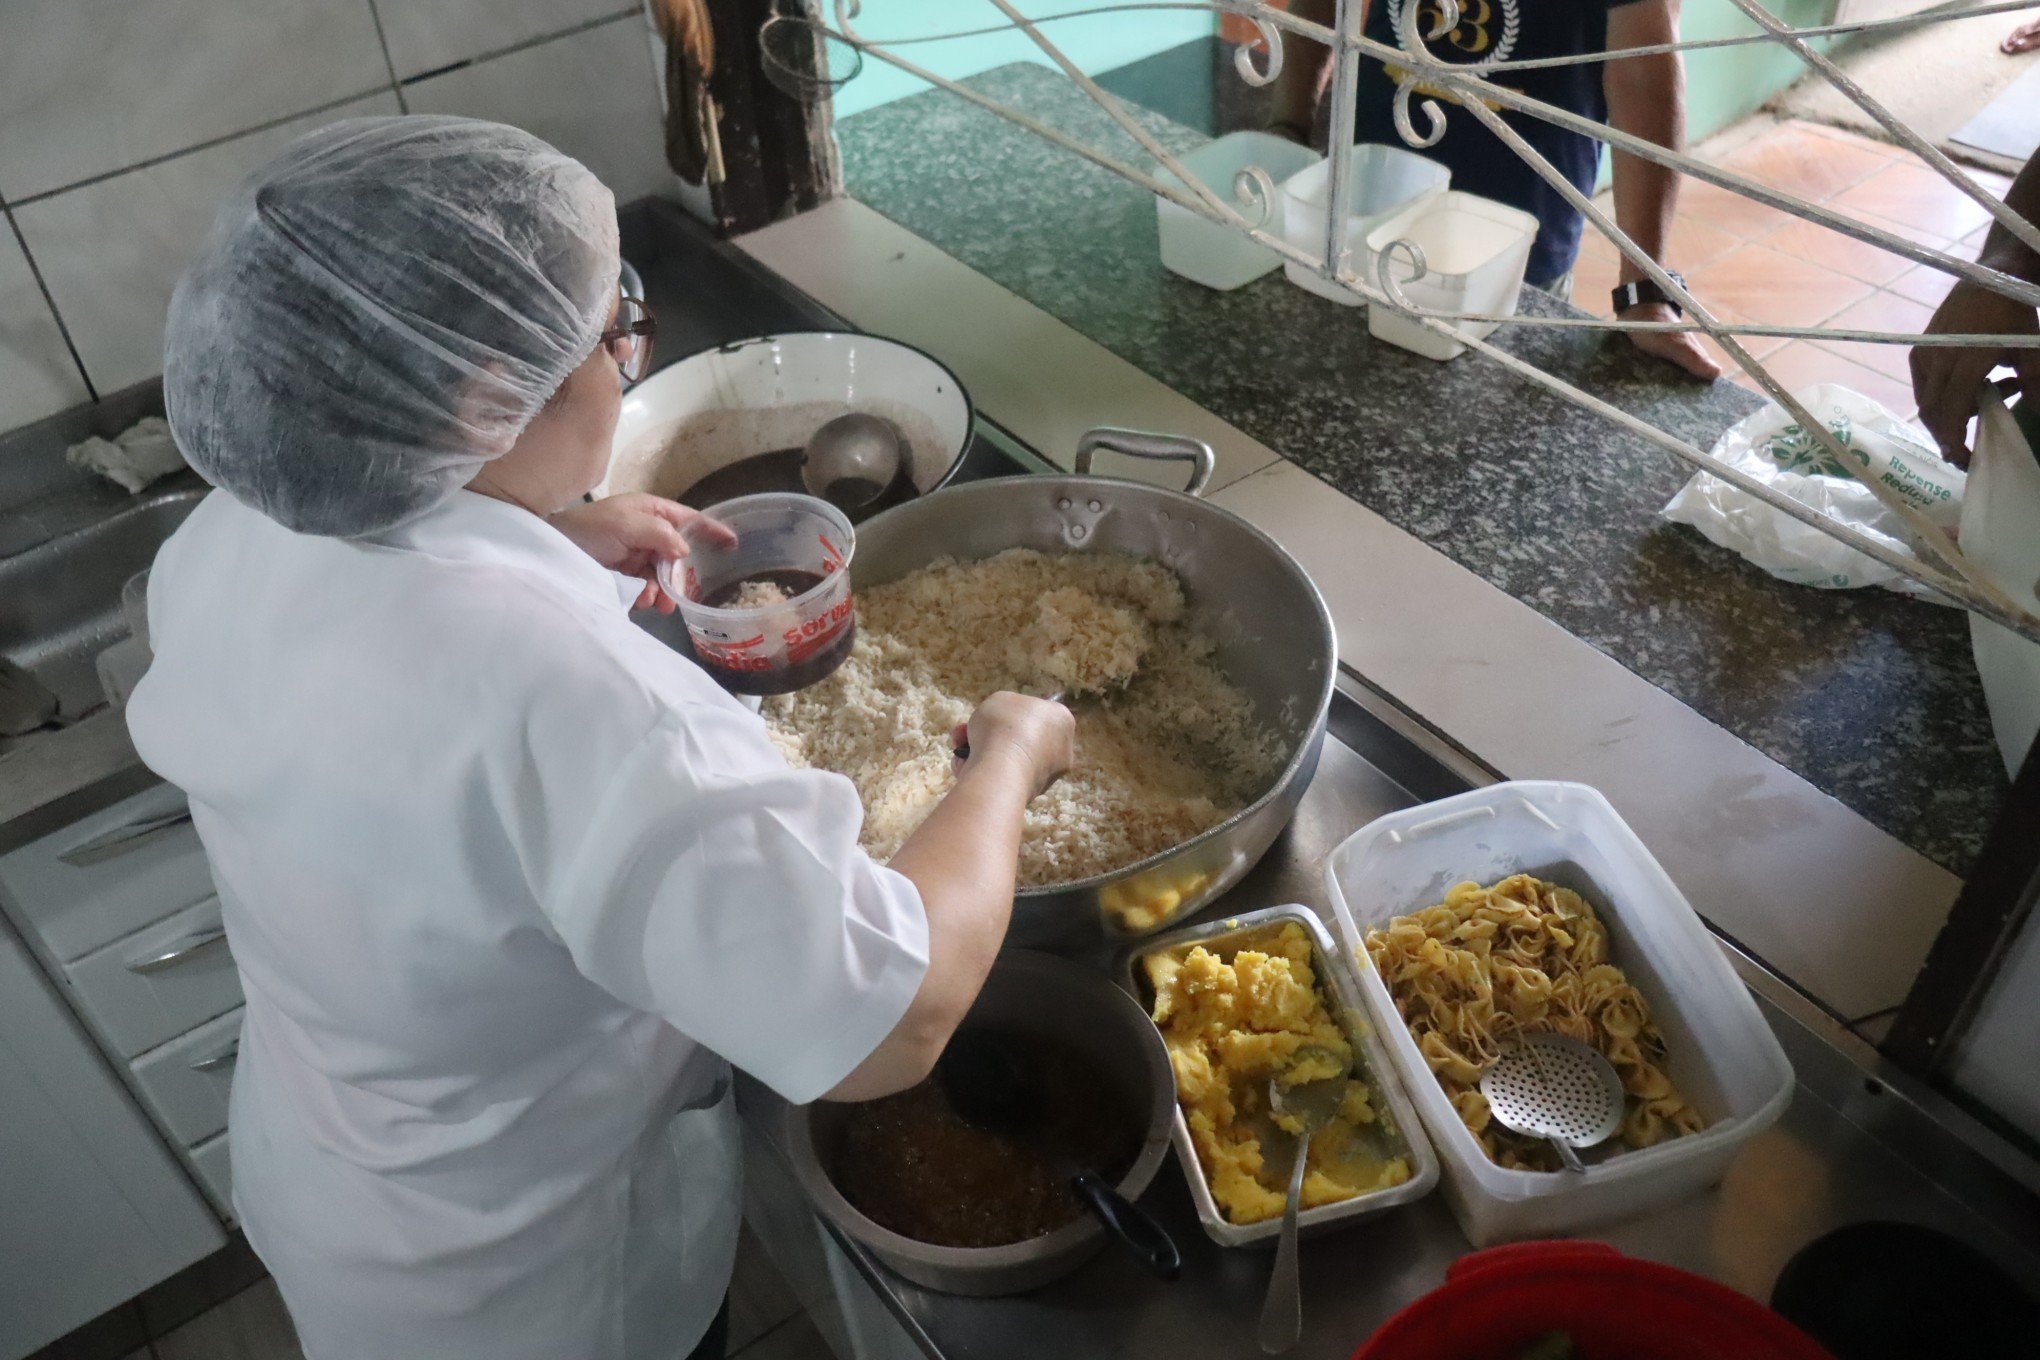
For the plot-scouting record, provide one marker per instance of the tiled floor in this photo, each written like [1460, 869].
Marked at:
[766, 1322]
[1754, 263]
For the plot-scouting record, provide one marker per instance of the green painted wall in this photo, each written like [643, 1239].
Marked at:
[1724, 84]
[1727, 83]
[1096, 42]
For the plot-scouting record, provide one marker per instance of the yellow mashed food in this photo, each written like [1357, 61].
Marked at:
[1232, 1023]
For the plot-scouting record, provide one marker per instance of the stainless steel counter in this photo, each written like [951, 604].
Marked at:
[1858, 1142]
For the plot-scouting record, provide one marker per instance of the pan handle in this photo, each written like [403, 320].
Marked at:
[1146, 444]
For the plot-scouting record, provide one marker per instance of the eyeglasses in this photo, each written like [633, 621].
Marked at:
[629, 341]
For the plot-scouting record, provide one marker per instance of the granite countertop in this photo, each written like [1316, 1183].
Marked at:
[1870, 696]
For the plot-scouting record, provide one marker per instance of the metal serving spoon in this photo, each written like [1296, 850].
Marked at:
[1315, 1104]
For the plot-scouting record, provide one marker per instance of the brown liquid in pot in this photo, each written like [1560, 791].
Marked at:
[910, 1163]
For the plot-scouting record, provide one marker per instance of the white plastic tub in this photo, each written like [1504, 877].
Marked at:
[1200, 249]
[1475, 251]
[1720, 1053]
[1385, 181]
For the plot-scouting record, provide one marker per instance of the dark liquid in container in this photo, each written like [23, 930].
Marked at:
[779, 679]
[780, 471]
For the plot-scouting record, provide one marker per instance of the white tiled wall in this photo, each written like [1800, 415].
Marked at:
[580, 93]
[123, 122]
[111, 251]
[36, 372]
[426, 35]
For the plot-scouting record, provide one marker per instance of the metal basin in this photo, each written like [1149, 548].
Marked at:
[1273, 632]
[60, 599]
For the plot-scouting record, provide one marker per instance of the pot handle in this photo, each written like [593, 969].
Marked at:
[1146, 444]
[1144, 1239]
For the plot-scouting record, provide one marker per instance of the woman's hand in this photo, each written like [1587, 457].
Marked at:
[1040, 736]
[631, 534]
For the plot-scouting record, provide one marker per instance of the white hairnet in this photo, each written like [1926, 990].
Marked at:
[379, 311]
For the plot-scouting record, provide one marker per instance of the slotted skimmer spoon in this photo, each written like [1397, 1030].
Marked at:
[1315, 1104]
[1557, 1089]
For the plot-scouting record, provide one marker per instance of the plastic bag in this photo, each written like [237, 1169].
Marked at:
[2001, 535]
[1773, 448]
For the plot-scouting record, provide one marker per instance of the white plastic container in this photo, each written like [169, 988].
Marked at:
[1384, 180]
[797, 634]
[1200, 249]
[1475, 251]
[1720, 1053]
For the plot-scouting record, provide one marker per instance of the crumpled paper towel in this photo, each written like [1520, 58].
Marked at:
[137, 456]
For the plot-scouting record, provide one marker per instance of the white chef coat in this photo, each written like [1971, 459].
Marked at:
[507, 880]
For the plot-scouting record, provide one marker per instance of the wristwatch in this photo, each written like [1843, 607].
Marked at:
[1646, 290]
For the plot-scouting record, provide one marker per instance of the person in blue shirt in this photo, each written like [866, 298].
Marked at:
[1642, 95]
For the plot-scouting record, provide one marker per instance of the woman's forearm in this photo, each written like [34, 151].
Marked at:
[963, 860]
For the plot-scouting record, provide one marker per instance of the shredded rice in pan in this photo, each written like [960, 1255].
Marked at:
[1169, 754]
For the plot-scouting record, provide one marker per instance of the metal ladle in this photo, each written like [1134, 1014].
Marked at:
[851, 460]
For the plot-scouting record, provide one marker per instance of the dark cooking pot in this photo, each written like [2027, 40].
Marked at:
[1031, 994]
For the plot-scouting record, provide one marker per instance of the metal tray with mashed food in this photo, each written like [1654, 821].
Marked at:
[1391, 1132]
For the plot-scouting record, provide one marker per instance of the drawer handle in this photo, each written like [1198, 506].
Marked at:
[179, 949]
[223, 1056]
[121, 839]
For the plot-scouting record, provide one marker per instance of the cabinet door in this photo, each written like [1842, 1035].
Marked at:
[108, 875]
[216, 1172]
[156, 983]
[189, 1079]
[92, 1208]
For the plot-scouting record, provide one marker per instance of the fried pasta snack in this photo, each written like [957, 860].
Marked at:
[1487, 964]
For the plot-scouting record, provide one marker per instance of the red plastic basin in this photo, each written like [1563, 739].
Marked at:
[1494, 1304]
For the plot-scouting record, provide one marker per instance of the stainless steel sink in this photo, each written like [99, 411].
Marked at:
[60, 599]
